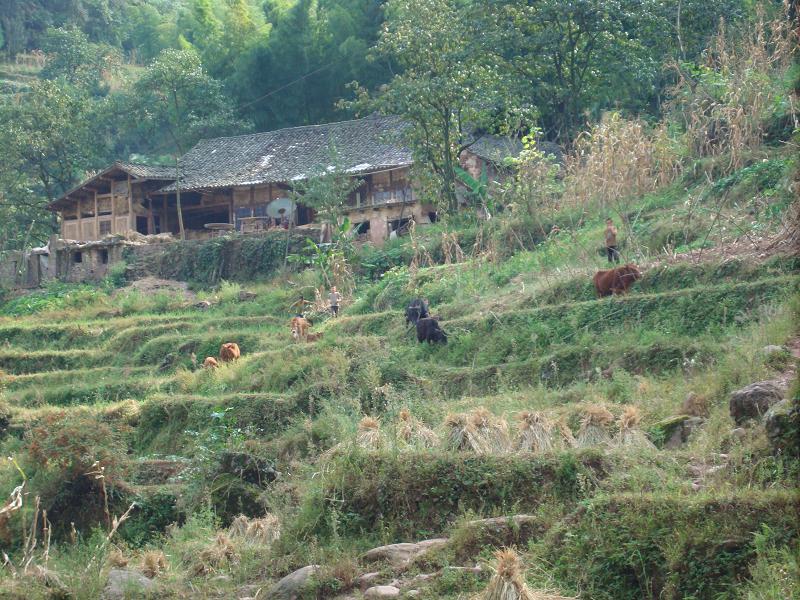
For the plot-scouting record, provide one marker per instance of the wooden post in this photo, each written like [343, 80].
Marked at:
[150, 220]
[96, 217]
[80, 221]
[164, 222]
[131, 218]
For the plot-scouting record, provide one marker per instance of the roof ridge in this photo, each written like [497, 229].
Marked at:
[374, 117]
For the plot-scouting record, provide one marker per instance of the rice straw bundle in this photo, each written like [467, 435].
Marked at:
[265, 530]
[492, 430]
[565, 437]
[535, 432]
[508, 581]
[594, 430]
[629, 432]
[154, 563]
[219, 554]
[412, 431]
[369, 434]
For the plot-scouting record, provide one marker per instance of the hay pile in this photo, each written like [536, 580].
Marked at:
[264, 531]
[537, 433]
[154, 563]
[220, 554]
[414, 432]
[478, 431]
[508, 581]
[629, 432]
[369, 434]
[594, 426]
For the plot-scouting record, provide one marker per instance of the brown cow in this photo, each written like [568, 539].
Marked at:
[299, 327]
[229, 352]
[210, 363]
[313, 337]
[616, 281]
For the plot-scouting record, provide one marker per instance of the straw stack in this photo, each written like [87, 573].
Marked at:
[414, 432]
[508, 581]
[629, 432]
[369, 434]
[536, 432]
[594, 426]
[478, 431]
[265, 530]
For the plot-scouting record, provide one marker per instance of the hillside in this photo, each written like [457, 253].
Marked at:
[112, 375]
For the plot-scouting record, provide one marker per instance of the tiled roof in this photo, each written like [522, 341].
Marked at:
[495, 148]
[294, 154]
[138, 170]
[146, 171]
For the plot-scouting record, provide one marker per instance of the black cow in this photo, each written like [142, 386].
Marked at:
[428, 330]
[417, 309]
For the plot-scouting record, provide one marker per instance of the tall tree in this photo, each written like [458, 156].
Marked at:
[176, 102]
[445, 89]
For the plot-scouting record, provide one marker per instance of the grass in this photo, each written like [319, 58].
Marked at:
[529, 343]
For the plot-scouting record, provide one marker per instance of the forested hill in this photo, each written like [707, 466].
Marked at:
[84, 82]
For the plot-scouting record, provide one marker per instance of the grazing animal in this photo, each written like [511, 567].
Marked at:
[616, 281]
[299, 327]
[229, 352]
[428, 330]
[313, 337]
[417, 309]
[210, 363]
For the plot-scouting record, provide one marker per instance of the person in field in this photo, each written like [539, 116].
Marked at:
[334, 298]
[611, 242]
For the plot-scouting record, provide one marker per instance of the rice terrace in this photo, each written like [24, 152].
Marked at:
[435, 299]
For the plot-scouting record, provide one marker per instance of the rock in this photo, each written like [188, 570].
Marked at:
[203, 305]
[754, 400]
[772, 349]
[382, 591]
[244, 296]
[739, 433]
[126, 583]
[401, 555]
[680, 429]
[367, 580]
[782, 423]
[292, 586]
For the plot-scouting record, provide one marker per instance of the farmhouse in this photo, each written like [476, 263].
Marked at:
[245, 184]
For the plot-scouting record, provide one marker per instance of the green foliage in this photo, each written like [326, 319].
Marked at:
[671, 547]
[55, 296]
[417, 495]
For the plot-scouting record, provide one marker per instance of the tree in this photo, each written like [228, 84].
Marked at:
[176, 102]
[71, 56]
[47, 143]
[445, 89]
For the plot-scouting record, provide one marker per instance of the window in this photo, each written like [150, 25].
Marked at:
[77, 257]
[104, 256]
[105, 227]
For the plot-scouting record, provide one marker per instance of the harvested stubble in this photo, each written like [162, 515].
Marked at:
[154, 563]
[414, 432]
[594, 426]
[369, 434]
[265, 530]
[478, 431]
[537, 433]
[629, 432]
[508, 582]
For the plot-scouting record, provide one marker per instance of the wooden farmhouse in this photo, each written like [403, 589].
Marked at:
[244, 184]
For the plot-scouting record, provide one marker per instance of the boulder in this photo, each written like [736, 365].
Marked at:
[244, 296]
[367, 579]
[676, 431]
[782, 423]
[203, 305]
[401, 555]
[293, 585]
[126, 583]
[754, 400]
[382, 591]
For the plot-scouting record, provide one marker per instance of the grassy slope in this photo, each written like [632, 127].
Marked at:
[526, 334]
